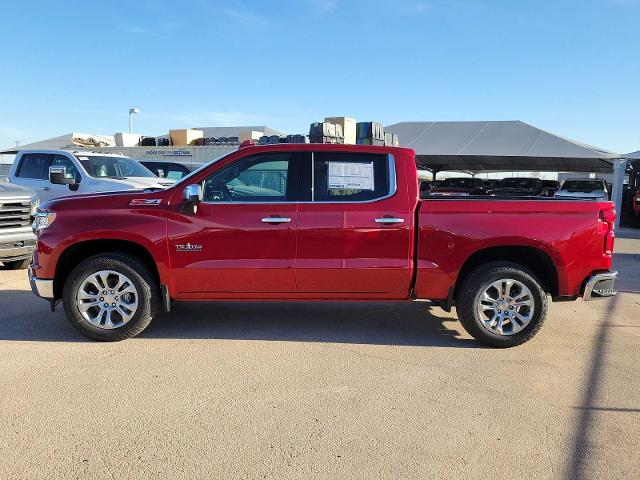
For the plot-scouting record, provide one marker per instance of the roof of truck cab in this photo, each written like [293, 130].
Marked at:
[338, 147]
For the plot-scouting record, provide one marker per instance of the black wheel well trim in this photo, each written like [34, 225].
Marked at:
[532, 258]
[80, 251]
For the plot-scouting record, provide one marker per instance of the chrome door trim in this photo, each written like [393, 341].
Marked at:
[389, 220]
[276, 220]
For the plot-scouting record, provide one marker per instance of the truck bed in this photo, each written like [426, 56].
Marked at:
[450, 231]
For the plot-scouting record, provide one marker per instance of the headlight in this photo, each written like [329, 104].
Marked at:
[35, 203]
[42, 220]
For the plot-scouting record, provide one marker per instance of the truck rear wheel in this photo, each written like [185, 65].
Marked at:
[501, 304]
[111, 297]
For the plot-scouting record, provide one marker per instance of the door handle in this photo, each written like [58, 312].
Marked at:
[46, 189]
[276, 220]
[389, 220]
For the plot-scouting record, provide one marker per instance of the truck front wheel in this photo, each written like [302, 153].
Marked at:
[501, 304]
[111, 297]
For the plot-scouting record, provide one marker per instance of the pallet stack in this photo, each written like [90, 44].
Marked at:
[347, 126]
[391, 139]
[370, 133]
[297, 139]
[325, 132]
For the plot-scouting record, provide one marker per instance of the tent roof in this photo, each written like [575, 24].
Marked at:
[498, 145]
[634, 159]
[67, 141]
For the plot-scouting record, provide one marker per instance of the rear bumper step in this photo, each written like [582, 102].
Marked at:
[600, 285]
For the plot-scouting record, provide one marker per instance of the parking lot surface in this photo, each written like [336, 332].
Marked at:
[322, 390]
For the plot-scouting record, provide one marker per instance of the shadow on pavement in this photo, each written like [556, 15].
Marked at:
[583, 435]
[27, 318]
[628, 266]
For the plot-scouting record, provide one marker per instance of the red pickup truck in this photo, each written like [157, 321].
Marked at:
[318, 222]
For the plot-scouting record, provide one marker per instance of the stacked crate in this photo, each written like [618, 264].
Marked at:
[269, 140]
[297, 139]
[391, 139]
[370, 133]
[348, 127]
[325, 132]
[185, 136]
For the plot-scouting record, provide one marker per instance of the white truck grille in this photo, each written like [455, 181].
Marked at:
[15, 214]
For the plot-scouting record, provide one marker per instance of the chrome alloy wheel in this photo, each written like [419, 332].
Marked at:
[107, 299]
[505, 306]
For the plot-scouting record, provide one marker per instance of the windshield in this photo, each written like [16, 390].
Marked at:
[582, 185]
[114, 167]
[527, 183]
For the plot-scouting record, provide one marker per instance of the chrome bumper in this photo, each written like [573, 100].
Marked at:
[40, 287]
[16, 246]
[600, 285]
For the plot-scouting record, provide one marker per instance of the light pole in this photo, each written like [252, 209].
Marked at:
[131, 112]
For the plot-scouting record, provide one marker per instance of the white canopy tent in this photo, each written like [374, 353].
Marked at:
[498, 146]
[504, 146]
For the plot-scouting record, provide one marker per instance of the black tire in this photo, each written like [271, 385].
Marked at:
[473, 286]
[139, 274]
[17, 264]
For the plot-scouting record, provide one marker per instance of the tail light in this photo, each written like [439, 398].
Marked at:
[607, 224]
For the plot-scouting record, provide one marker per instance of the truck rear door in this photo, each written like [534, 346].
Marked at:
[355, 236]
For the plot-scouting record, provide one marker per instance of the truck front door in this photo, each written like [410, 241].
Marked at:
[241, 242]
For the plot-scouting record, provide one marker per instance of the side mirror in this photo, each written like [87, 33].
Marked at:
[58, 176]
[192, 194]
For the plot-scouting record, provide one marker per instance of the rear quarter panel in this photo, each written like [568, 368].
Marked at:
[450, 231]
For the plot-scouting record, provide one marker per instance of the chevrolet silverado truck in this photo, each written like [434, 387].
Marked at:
[57, 173]
[318, 222]
[17, 241]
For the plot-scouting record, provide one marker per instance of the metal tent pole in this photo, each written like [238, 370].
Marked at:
[619, 165]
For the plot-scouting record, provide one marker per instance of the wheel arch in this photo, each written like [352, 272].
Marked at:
[78, 252]
[534, 259]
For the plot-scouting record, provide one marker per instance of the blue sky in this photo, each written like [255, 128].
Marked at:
[570, 67]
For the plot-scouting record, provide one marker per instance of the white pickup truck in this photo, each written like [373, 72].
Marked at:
[58, 173]
[17, 241]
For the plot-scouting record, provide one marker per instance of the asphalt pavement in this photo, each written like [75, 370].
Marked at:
[322, 390]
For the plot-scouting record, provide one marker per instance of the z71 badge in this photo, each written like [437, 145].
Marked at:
[188, 247]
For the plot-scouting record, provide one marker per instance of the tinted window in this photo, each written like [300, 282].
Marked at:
[64, 161]
[350, 177]
[518, 183]
[35, 165]
[259, 178]
[582, 185]
[461, 183]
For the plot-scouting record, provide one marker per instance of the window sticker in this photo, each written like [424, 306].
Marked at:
[350, 176]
